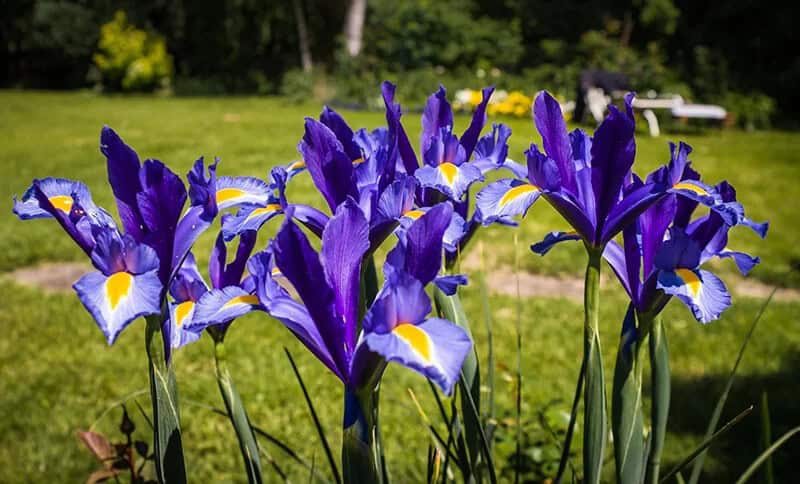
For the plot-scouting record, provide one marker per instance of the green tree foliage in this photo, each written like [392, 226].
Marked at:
[411, 34]
[131, 59]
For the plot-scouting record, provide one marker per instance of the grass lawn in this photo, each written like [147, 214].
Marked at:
[58, 375]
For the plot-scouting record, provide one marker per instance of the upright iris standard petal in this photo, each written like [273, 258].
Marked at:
[327, 163]
[201, 213]
[491, 152]
[291, 313]
[550, 123]
[123, 176]
[298, 261]
[419, 252]
[344, 243]
[470, 136]
[613, 150]
[343, 132]
[407, 162]
[504, 199]
[437, 115]
[160, 204]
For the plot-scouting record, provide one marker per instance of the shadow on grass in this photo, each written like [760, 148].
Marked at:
[693, 401]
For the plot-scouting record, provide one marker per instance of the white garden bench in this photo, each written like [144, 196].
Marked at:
[679, 109]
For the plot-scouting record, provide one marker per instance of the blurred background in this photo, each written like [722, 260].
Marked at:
[234, 78]
[736, 54]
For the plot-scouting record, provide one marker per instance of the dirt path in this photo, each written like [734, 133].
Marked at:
[59, 277]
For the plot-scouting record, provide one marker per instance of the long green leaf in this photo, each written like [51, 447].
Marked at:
[661, 388]
[484, 444]
[626, 405]
[573, 418]
[168, 446]
[451, 309]
[766, 437]
[320, 431]
[594, 400]
[237, 414]
[765, 455]
[706, 443]
[697, 468]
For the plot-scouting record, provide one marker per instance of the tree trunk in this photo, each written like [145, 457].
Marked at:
[354, 27]
[302, 33]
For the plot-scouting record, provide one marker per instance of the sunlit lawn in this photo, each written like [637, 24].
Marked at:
[58, 376]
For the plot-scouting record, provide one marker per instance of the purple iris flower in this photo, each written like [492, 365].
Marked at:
[195, 306]
[360, 166]
[662, 253]
[450, 164]
[327, 318]
[136, 264]
[587, 180]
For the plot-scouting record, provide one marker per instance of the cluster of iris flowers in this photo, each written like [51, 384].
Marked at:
[380, 190]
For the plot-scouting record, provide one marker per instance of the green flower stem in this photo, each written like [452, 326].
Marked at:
[626, 403]
[594, 397]
[236, 412]
[361, 450]
[170, 468]
[660, 396]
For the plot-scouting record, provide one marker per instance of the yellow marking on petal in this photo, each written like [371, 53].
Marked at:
[692, 188]
[118, 286]
[182, 310]
[517, 191]
[414, 214]
[272, 207]
[449, 171]
[358, 161]
[416, 338]
[227, 194]
[248, 299]
[690, 279]
[62, 202]
[276, 272]
[297, 165]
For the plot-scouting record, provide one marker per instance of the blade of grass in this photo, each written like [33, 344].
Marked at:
[281, 445]
[320, 431]
[765, 455]
[434, 433]
[518, 402]
[706, 443]
[487, 316]
[766, 437]
[697, 467]
[238, 414]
